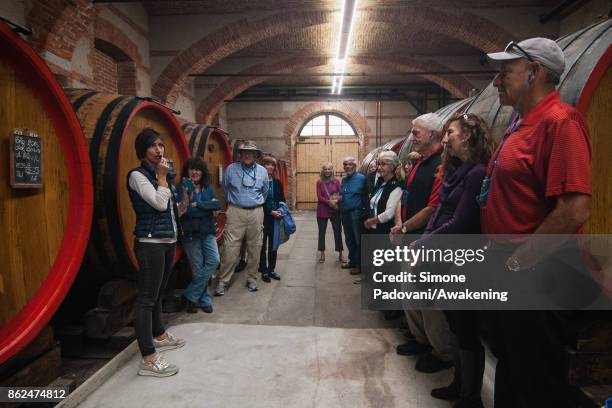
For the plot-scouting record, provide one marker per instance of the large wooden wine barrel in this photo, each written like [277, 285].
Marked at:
[449, 110]
[395, 144]
[44, 230]
[372, 155]
[404, 151]
[211, 144]
[235, 144]
[111, 123]
[586, 84]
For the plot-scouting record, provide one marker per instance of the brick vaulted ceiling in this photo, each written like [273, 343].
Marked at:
[299, 37]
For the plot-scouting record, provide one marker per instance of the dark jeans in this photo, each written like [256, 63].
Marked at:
[351, 222]
[268, 238]
[464, 325]
[336, 228]
[531, 348]
[155, 262]
[532, 367]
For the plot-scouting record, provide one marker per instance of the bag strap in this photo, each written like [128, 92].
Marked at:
[326, 190]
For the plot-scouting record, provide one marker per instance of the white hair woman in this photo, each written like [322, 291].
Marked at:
[328, 208]
[385, 196]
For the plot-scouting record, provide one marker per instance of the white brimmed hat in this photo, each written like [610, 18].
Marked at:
[250, 145]
[545, 51]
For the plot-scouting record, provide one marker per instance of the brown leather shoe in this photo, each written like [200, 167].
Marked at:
[355, 271]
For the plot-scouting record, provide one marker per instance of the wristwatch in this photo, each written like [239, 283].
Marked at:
[513, 264]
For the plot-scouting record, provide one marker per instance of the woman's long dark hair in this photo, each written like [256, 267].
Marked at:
[196, 163]
[480, 142]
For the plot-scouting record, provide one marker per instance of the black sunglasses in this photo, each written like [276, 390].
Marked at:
[521, 51]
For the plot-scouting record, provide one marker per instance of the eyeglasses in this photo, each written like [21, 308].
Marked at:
[521, 51]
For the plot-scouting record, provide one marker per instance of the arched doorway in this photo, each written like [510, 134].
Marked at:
[326, 137]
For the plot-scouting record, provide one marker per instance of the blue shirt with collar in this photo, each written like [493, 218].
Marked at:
[352, 191]
[245, 186]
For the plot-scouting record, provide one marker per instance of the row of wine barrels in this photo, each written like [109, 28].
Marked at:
[111, 123]
[211, 144]
[45, 229]
[586, 84]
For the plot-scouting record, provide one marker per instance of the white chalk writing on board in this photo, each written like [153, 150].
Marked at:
[26, 159]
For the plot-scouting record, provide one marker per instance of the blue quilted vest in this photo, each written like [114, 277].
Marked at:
[151, 223]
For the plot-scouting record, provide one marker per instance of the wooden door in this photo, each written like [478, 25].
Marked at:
[340, 148]
[311, 154]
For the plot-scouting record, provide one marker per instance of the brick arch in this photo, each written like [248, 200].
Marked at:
[113, 42]
[59, 24]
[457, 85]
[231, 87]
[299, 118]
[109, 33]
[469, 28]
[223, 42]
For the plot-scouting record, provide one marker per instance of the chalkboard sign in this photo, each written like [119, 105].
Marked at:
[26, 159]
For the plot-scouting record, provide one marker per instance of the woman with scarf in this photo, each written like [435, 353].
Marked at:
[468, 146]
[328, 209]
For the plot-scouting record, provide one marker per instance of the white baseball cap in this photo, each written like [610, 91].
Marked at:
[545, 51]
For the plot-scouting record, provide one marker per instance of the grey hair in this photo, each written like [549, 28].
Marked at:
[349, 159]
[391, 157]
[430, 121]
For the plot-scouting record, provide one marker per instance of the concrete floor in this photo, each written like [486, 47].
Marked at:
[300, 342]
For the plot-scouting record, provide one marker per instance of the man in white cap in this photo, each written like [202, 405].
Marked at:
[537, 182]
[245, 185]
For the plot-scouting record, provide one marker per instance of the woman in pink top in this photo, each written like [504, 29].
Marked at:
[328, 195]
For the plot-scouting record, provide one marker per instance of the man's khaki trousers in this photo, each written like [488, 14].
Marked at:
[240, 223]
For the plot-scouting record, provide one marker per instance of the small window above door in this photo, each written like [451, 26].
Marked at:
[327, 125]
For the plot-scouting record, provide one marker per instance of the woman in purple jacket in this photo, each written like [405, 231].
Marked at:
[328, 205]
[467, 149]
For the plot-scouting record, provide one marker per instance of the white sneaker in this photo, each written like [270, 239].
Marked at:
[169, 343]
[220, 291]
[252, 286]
[157, 368]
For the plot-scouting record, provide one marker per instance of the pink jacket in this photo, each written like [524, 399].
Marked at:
[324, 210]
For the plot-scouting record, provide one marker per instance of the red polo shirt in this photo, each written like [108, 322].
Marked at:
[547, 155]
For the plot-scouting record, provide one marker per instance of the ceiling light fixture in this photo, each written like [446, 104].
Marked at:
[347, 18]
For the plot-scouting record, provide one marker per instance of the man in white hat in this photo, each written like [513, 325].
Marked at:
[537, 182]
[245, 185]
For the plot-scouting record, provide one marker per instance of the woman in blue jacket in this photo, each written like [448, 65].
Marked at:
[275, 196]
[198, 241]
